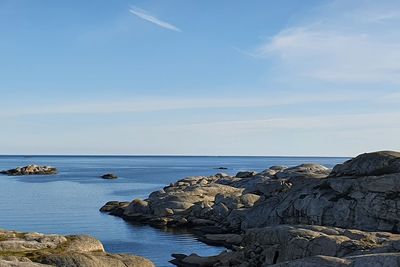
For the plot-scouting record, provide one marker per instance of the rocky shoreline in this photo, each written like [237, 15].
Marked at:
[19, 249]
[306, 215]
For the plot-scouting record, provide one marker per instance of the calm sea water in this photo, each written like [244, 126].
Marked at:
[68, 203]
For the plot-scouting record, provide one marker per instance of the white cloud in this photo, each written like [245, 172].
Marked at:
[354, 122]
[150, 18]
[163, 104]
[347, 46]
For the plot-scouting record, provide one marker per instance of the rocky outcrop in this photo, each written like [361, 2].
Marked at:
[286, 244]
[31, 170]
[273, 208]
[36, 250]
[369, 164]
[212, 202]
[109, 176]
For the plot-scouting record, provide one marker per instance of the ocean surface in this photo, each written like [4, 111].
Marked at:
[68, 202]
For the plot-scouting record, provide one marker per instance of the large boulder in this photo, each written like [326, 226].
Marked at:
[307, 170]
[366, 203]
[368, 164]
[38, 250]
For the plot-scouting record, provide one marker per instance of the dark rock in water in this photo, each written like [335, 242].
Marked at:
[369, 164]
[31, 170]
[221, 168]
[109, 176]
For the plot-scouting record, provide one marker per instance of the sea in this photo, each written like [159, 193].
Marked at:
[69, 202]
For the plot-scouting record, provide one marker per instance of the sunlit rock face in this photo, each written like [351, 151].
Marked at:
[38, 250]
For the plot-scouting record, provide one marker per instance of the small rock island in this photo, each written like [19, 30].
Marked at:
[307, 215]
[109, 176]
[31, 170]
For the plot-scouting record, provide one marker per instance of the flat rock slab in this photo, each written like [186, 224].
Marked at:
[39, 250]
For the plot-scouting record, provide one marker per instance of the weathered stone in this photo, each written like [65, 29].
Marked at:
[308, 170]
[248, 200]
[39, 250]
[245, 174]
[276, 214]
[369, 164]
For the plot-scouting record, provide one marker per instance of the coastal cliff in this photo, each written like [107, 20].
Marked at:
[306, 215]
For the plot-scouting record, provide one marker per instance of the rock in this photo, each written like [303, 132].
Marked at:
[303, 245]
[195, 260]
[272, 188]
[278, 168]
[245, 174]
[305, 215]
[226, 240]
[31, 170]
[222, 168]
[369, 164]
[316, 261]
[366, 203]
[96, 259]
[249, 200]
[39, 250]
[113, 206]
[308, 170]
[17, 263]
[109, 176]
[137, 206]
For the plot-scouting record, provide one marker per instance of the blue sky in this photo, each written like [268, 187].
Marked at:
[199, 77]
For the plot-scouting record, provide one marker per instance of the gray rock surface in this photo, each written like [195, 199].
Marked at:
[369, 164]
[306, 215]
[36, 250]
[303, 245]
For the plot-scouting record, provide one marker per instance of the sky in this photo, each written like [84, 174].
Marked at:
[178, 77]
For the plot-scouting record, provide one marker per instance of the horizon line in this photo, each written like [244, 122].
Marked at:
[166, 155]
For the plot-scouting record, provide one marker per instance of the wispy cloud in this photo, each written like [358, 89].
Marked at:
[139, 105]
[153, 19]
[326, 49]
[316, 123]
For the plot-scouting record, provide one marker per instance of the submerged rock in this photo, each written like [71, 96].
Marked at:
[37, 250]
[109, 176]
[31, 170]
